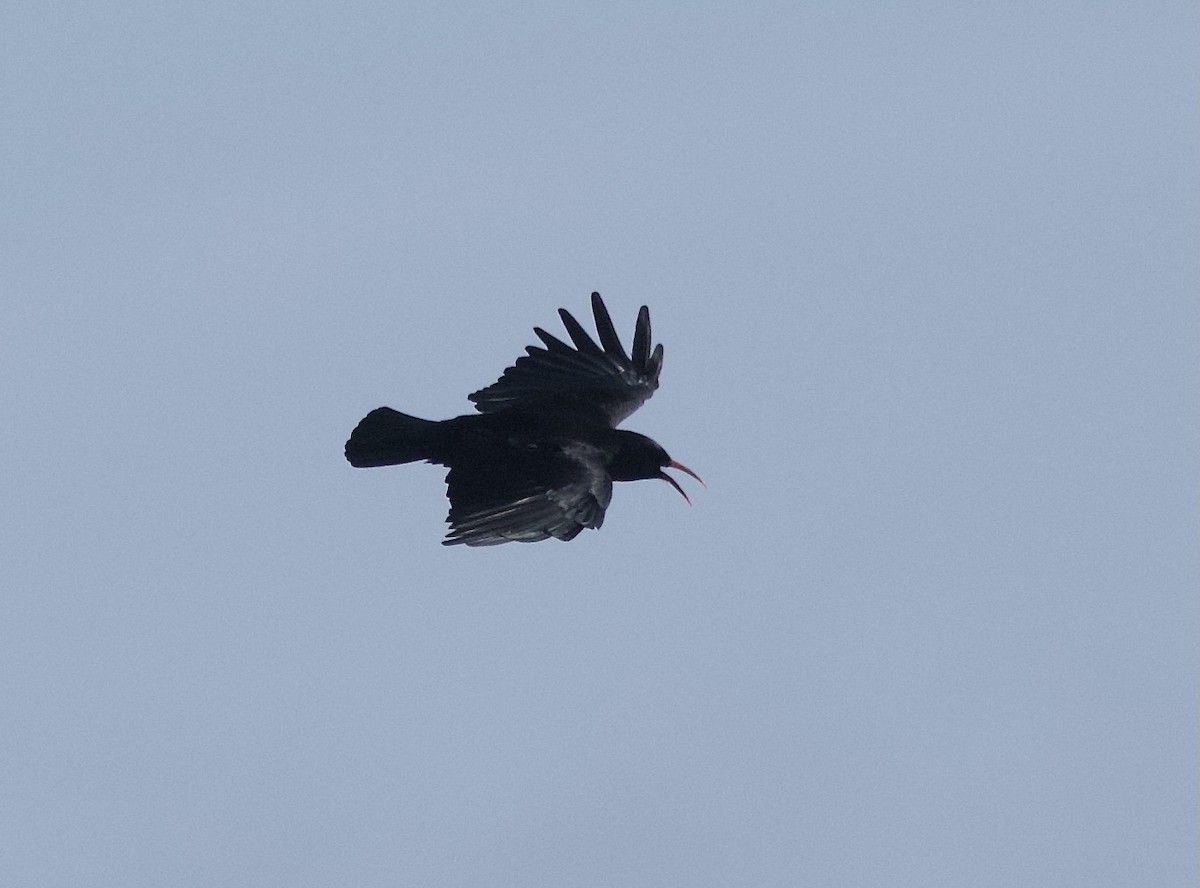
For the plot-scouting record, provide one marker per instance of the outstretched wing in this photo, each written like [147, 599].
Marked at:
[586, 378]
[552, 492]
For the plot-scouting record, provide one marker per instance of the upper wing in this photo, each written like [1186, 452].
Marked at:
[586, 377]
[548, 492]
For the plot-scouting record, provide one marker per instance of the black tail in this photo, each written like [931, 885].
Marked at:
[387, 437]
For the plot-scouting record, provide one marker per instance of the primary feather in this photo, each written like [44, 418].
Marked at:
[586, 378]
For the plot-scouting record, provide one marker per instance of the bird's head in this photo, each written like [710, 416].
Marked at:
[636, 457]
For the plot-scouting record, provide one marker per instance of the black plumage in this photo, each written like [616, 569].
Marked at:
[539, 459]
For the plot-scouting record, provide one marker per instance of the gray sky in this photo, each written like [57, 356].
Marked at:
[926, 275]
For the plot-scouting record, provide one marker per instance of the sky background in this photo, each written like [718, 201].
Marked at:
[926, 275]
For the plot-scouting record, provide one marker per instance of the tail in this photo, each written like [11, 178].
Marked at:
[387, 437]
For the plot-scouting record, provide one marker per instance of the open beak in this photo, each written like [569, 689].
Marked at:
[678, 465]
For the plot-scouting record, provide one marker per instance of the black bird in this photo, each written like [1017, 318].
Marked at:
[539, 459]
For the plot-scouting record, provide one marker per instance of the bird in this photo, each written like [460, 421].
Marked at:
[539, 458]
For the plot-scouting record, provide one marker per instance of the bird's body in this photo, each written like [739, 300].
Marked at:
[539, 459]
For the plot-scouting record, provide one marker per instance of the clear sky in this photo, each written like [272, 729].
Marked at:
[926, 275]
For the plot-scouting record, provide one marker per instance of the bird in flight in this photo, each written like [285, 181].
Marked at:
[540, 457]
